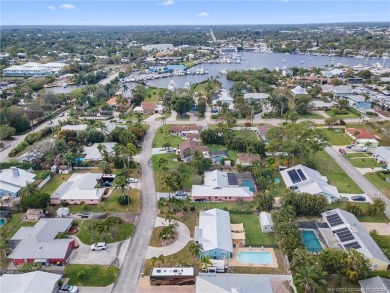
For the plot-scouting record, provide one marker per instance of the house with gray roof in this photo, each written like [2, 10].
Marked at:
[298, 90]
[80, 188]
[375, 284]
[350, 233]
[13, 180]
[382, 155]
[358, 102]
[303, 179]
[255, 97]
[92, 152]
[214, 234]
[33, 282]
[39, 243]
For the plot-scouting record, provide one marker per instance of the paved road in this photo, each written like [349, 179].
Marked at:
[136, 252]
[359, 179]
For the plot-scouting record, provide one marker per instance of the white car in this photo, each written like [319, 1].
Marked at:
[133, 180]
[68, 289]
[99, 246]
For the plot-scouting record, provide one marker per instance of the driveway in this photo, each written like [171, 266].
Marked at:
[107, 289]
[114, 255]
[349, 195]
[381, 228]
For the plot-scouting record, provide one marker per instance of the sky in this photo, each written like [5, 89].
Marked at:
[195, 12]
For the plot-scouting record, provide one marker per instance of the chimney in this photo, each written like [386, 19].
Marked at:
[15, 171]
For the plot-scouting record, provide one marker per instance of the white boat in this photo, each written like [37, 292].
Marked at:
[308, 58]
[197, 71]
[223, 71]
[283, 61]
[201, 71]
[286, 53]
[187, 85]
[302, 62]
[206, 71]
[172, 85]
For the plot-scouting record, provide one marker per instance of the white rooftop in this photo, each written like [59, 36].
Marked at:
[92, 152]
[33, 282]
[298, 90]
[77, 127]
[256, 96]
[266, 219]
[14, 179]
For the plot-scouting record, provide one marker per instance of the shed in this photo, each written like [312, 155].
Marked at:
[63, 212]
[34, 214]
[266, 223]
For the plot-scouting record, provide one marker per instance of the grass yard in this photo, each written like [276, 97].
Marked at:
[361, 160]
[247, 134]
[336, 176]
[155, 241]
[378, 218]
[311, 116]
[166, 115]
[239, 205]
[201, 88]
[95, 276]
[134, 117]
[382, 185]
[124, 231]
[254, 235]
[336, 136]
[162, 137]
[341, 116]
[153, 94]
[54, 183]
[181, 258]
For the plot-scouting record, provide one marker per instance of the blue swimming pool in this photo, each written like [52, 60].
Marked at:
[255, 257]
[2, 222]
[78, 160]
[248, 183]
[311, 241]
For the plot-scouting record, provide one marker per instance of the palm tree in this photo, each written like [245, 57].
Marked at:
[159, 259]
[167, 233]
[29, 189]
[162, 164]
[169, 181]
[195, 249]
[310, 278]
[204, 263]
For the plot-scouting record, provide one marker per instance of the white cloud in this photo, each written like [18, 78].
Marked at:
[67, 6]
[167, 2]
[51, 7]
[203, 14]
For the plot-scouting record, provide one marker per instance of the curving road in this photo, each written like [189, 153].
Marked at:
[136, 252]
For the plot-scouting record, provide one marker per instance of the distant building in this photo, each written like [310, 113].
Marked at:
[34, 69]
[287, 72]
[298, 90]
[378, 284]
[358, 102]
[34, 214]
[13, 180]
[158, 47]
[92, 152]
[360, 133]
[225, 98]
[76, 127]
[187, 149]
[320, 105]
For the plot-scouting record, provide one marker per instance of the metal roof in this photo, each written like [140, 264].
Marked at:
[33, 282]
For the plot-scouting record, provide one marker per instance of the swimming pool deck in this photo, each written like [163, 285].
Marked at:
[233, 262]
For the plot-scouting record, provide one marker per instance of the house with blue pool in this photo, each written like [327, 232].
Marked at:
[214, 233]
[304, 179]
[13, 180]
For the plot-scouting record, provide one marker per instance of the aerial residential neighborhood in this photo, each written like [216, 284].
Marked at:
[197, 158]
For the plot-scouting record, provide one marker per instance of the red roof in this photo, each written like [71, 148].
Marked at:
[148, 106]
[360, 133]
[112, 101]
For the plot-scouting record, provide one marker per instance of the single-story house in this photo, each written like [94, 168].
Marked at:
[5, 216]
[188, 147]
[184, 130]
[113, 102]
[376, 284]
[225, 98]
[358, 102]
[77, 127]
[238, 234]
[34, 214]
[150, 108]
[287, 72]
[298, 90]
[248, 283]
[333, 72]
[64, 169]
[247, 160]
[39, 243]
[221, 186]
[360, 133]
[320, 105]
[80, 188]
[350, 233]
[343, 90]
[367, 142]
[382, 155]
[33, 282]
[261, 131]
[138, 110]
[303, 179]
[214, 234]
[256, 97]
[266, 223]
[13, 180]
[92, 152]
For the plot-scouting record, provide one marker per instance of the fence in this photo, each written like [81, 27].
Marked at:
[85, 168]
[44, 181]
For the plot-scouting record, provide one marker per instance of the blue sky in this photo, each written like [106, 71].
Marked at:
[198, 12]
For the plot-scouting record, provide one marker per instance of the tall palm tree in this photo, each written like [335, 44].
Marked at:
[158, 259]
[310, 278]
[195, 248]
[204, 263]
[169, 181]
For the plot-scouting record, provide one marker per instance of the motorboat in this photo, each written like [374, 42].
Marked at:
[223, 71]
[172, 85]
[283, 61]
[187, 85]
[302, 62]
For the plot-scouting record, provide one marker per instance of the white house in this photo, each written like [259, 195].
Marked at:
[303, 179]
[255, 97]
[92, 152]
[76, 127]
[13, 180]
[298, 90]
[214, 234]
[32, 282]
[382, 155]
[266, 223]
[225, 98]
[80, 188]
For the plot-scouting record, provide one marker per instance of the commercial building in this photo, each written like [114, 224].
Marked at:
[34, 69]
[158, 47]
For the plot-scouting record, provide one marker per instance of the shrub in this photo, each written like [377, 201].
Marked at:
[123, 200]
[29, 267]
[192, 209]
[185, 209]
[81, 274]
[20, 147]
[381, 176]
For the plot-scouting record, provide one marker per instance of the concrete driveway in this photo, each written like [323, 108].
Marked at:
[114, 255]
[349, 195]
[106, 289]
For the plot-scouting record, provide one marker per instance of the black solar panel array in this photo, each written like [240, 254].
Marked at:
[354, 244]
[303, 177]
[334, 220]
[344, 234]
[232, 178]
[294, 176]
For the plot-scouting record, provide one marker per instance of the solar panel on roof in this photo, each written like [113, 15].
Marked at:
[347, 238]
[294, 176]
[340, 230]
[232, 178]
[334, 220]
[303, 177]
[354, 244]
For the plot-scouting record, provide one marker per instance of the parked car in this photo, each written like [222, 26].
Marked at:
[181, 193]
[62, 114]
[50, 122]
[214, 110]
[68, 289]
[99, 246]
[342, 151]
[133, 180]
[358, 198]
[200, 200]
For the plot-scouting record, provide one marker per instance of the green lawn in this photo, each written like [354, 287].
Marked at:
[153, 94]
[95, 276]
[336, 136]
[311, 116]
[134, 117]
[378, 218]
[124, 231]
[336, 176]
[247, 134]
[54, 183]
[254, 235]
[382, 185]
[361, 160]
[172, 165]
[162, 137]
[341, 116]
[166, 115]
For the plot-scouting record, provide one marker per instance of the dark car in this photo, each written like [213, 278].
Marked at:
[200, 200]
[181, 193]
[214, 110]
[358, 198]
[342, 151]
[349, 146]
